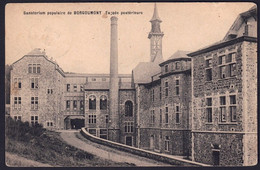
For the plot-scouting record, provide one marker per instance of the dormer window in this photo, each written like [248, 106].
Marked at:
[177, 65]
[166, 68]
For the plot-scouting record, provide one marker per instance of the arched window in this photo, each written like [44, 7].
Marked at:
[92, 102]
[128, 109]
[103, 102]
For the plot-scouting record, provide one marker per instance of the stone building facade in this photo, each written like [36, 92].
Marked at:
[37, 90]
[224, 98]
[200, 104]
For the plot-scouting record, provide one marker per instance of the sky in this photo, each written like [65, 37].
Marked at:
[81, 43]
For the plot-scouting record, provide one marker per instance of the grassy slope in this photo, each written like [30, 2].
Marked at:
[38, 144]
[13, 160]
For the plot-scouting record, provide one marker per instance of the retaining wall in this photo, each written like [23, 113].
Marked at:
[148, 154]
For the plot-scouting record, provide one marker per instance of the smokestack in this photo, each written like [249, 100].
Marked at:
[113, 128]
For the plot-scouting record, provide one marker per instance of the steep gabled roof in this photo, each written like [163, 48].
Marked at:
[239, 21]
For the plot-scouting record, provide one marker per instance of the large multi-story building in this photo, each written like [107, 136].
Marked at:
[193, 103]
[224, 97]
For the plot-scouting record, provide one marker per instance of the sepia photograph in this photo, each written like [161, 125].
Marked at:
[155, 84]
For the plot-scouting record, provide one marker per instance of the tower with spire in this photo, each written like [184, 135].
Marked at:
[155, 37]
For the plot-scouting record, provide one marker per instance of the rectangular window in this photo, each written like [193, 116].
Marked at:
[231, 58]
[166, 143]
[209, 109]
[75, 104]
[129, 127]
[177, 111]
[18, 83]
[221, 60]
[16, 118]
[34, 68]
[94, 79]
[49, 91]
[17, 103]
[160, 116]
[68, 87]
[30, 68]
[152, 118]
[232, 107]
[34, 83]
[75, 88]
[223, 117]
[92, 132]
[227, 65]
[166, 115]
[49, 124]
[92, 118]
[160, 93]
[81, 104]
[209, 74]
[222, 71]
[103, 133]
[38, 70]
[106, 119]
[166, 68]
[208, 63]
[232, 69]
[166, 89]
[68, 104]
[81, 88]
[153, 95]
[177, 86]
[34, 103]
[34, 120]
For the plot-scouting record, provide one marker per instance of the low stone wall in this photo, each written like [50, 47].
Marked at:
[148, 154]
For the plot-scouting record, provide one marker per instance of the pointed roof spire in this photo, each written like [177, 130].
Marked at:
[155, 14]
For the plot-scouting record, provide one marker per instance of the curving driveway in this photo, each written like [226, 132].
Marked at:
[106, 152]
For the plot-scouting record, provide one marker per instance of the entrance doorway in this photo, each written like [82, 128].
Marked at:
[215, 157]
[77, 123]
[128, 140]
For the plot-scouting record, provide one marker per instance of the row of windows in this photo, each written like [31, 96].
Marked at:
[34, 120]
[226, 66]
[177, 115]
[102, 102]
[232, 114]
[166, 88]
[75, 104]
[102, 132]
[176, 66]
[34, 103]
[34, 83]
[92, 118]
[103, 105]
[34, 68]
[74, 88]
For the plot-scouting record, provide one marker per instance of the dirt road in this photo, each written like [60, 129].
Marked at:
[107, 152]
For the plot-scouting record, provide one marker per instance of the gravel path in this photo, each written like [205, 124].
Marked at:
[107, 152]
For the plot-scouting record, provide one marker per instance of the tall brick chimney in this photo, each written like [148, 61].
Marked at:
[113, 128]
